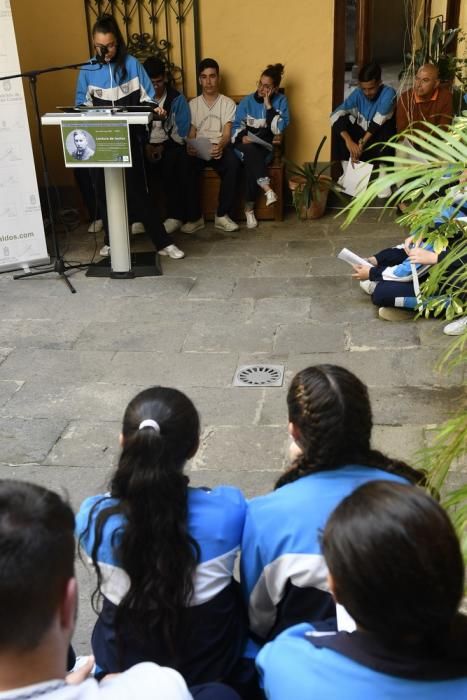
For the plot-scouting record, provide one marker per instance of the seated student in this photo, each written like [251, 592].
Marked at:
[264, 113]
[38, 606]
[390, 280]
[283, 573]
[365, 118]
[395, 564]
[212, 115]
[166, 149]
[426, 103]
[163, 552]
[123, 82]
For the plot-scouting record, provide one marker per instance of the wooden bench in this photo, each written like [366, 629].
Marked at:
[210, 183]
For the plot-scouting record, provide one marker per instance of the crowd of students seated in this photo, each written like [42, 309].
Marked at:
[350, 577]
[184, 138]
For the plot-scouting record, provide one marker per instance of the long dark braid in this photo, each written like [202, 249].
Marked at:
[156, 549]
[330, 408]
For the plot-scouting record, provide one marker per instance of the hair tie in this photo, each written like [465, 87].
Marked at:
[150, 423]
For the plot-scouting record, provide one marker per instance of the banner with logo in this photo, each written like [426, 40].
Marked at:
[22, 238]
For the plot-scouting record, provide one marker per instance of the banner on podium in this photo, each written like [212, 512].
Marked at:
[96, 144]
[22, 237]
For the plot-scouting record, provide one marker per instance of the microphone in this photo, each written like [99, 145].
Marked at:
[100, 56]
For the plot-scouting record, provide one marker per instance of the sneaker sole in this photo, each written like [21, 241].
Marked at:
[193, 230]
[226, 230]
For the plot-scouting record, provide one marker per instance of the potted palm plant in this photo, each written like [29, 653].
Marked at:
[310, 186]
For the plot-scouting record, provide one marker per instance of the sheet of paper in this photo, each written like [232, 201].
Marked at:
[345, 623]
[347, 256]
[356, 177]
[202, 146]
[261, 142]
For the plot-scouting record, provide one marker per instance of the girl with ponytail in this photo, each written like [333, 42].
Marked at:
[164, 552]
[263, 114]
[283, 571]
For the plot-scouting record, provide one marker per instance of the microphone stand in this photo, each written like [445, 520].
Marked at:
[59, 265]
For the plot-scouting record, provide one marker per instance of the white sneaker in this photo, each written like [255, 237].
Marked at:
[456, 327]
[192, 226]
[368, 286]
[172, 225]
[105, 251]
[137, 227]
[390, 313]
[96, 226]
[384, 194]
[251, 221]
[271, 197]
[172, 251]
[225, 223]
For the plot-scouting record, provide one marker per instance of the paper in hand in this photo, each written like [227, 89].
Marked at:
[202, 146]
[356, 178]
[261, 142]
[347, 256]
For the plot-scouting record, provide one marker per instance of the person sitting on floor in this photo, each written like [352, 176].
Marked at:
[389, 279]
[166, 149]
[164, 553]
[365, 118]
[212, 115]
[283, 573]
[263, 114]
[396, 566]
[38, 607]
[123, 82]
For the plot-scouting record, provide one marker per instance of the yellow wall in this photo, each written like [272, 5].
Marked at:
[50, 33]
[245, 36]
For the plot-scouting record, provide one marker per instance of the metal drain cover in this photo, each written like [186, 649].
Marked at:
[259, 375]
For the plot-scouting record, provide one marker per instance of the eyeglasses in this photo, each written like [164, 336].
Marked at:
[109, 47]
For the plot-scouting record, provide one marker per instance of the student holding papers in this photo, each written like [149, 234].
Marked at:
[259, 117]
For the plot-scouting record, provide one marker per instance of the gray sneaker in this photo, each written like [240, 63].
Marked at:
[368, 286]
[225, 223]
[192, 226]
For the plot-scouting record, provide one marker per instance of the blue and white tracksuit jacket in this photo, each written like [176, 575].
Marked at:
[215, 621]
[104, 85]
[302, 663]
[252, 115]
[178, 121]
[370, 115]
[283, 573]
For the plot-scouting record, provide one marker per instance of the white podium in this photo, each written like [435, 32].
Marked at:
[117, 213]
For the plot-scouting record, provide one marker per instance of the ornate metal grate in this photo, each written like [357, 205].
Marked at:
[168, 29]
[259, 375]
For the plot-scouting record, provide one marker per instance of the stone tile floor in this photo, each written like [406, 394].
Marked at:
[69, 363]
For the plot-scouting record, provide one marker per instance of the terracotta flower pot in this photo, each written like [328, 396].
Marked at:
[320, 196]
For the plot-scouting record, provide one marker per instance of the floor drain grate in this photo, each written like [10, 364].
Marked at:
[259, 375]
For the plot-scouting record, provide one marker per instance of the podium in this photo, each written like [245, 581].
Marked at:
[117, 213]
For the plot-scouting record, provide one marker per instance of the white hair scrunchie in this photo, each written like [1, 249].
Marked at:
[150, 423]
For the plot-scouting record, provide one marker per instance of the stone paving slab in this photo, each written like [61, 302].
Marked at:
[54, 399]
[375, 333]
[85, 444]
[213, 370]
[242, 449]
[65, 366]
[268, 287]
[41, 334]
[207, 337]
[8, 389]
[28, 441]
[281, 310]
[415, 405]
[310, 336]
[163, 336]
